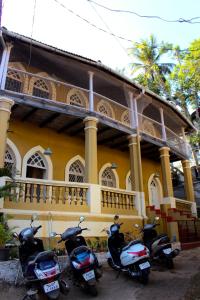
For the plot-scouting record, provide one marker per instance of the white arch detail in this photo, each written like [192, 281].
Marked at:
[127, 177]
[51, 85]
[70, 162]
[18, 158]
[108, 165]
[160, 190]
[46, 158]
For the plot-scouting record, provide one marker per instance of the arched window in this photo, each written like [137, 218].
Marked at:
[105, 108]
[77, 98]
[108, 178]
[125, 118]
[40, 89]
[76, 172]
[13, 81]
[36, 167]
[10, 161]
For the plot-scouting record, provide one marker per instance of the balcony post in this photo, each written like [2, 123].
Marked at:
[91, 94]
[164, 136]
[188, 184]
[4, 65]
[166, 172]
[136, 172]
[5, 110]
[91, 175]
[133, 114]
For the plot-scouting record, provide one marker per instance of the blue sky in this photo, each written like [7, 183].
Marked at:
[56, 26]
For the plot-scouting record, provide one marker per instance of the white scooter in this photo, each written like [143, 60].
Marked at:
[132, 258]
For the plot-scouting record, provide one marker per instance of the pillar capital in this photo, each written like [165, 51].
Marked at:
[164, 149]
[93, 119]
[6, 104]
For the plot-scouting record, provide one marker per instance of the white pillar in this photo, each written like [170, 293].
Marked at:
[136, 111]
[91, 95]
[164, 136]
[4, 65]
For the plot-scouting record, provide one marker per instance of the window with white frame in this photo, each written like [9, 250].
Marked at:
[108, 178]
[13, 81]
[36, 167]
[10, 161]
[76, 172]
[41, 89]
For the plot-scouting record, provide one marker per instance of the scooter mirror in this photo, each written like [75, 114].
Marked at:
[15, 235]
[81, 219]
[136, 226]
[53, 234]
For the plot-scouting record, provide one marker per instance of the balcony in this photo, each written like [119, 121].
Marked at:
[21, 84]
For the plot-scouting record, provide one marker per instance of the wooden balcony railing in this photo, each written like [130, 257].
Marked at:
[108, 108]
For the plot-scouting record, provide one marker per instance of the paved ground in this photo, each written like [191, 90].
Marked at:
[182, 283]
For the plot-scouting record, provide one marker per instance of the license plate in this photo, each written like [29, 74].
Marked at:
[167, 251]
[89, 275]
[49, 287]
[144, 265]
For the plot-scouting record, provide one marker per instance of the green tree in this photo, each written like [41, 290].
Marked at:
[153, 73]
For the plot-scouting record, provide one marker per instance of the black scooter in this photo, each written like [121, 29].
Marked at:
[40, 268]
[159, 245]
[83, 262]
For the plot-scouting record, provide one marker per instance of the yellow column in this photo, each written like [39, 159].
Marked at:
[91, 174]
[166, 172]
[188, 180]
[5, 110]
[136, 163]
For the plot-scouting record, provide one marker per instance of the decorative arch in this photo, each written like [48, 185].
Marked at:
[104, 108]
[128, 181]
[77, 98]
[125, 118]
[47, 160]
[70, 162]
[48, 83]
[156, 202]
[18, 159]
[16, 80]
[103, 168]
[148, 127]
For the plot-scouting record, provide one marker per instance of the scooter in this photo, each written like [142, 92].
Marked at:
[159, 246]
[132, 258]
[84, 264]
[40, 268]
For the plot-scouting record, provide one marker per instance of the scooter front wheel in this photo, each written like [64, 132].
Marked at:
[169, 263]
[93, 290]
[144, 277]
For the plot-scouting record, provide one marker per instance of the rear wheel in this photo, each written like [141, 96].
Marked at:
[93, 290]
[169, 263]
[144, 277]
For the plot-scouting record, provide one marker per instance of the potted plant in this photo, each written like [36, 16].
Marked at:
[5, 236]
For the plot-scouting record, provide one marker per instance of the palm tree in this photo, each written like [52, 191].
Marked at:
[152, 72]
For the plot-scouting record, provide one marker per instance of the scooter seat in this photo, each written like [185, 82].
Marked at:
[41, 256]
[160, 236]
[130, 244]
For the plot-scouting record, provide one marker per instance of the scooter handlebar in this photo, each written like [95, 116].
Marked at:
[85, 228]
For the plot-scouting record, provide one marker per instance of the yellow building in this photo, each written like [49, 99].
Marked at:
[83, 140]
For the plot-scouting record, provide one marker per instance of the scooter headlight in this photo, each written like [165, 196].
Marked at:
[39, 274]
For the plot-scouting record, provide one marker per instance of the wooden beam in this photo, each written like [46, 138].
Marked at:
[30, 113]
[111, 138]
[49, 119]
[68, 125]
[102, 130]
[76, 131]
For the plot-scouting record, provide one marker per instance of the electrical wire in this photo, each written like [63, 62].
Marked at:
[180, 20]
[33, 22]
[112, 34]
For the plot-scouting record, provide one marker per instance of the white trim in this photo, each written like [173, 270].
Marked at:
[70, 162]
[17, 156]
[160, 191]
[5, 109]
[89, 127]
[46, 158]
[127, 177]
[108, 165]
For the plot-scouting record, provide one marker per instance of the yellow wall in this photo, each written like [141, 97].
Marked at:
[26, 136]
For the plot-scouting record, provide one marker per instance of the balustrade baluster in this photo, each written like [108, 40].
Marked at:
[28, 193]
[53, 197]
[22, 188]
[84, 191]
[78, 198]
[41, 195]
[60, 194]
[34, 193]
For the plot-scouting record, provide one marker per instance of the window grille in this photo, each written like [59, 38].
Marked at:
[40, 89]
[36, 161]
[77, 99]
[125, 118]
[10, 161]
[76, 172]
[13, 81]
[108, 178]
